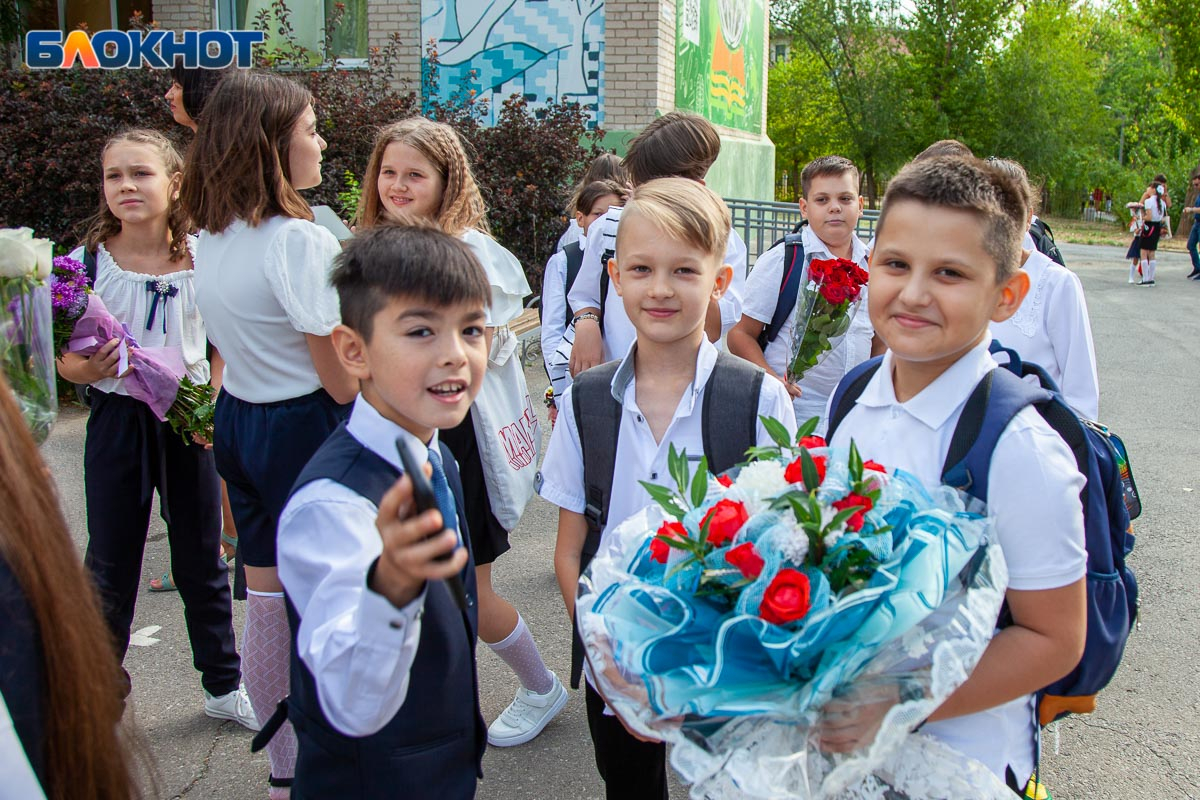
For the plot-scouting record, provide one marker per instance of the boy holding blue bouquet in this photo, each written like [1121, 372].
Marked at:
[668, 269]
[945, 265]
[384, 694]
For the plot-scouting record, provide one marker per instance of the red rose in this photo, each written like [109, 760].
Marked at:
[725, 481]
[659, 549]
[819, 269]
[786, 599]
[855, 522]
[795, 471]
[874, 465]
[724, 520]
[812, 441]
[861, 276]
[746, 559]
[835, 294]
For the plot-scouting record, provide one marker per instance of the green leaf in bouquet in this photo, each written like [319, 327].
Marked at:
[840, 518]
[856, 463]
[677, 465]
[808, 468]
[682, 565]
[700, 482]
[761, 453]
[854, 566]
[808, 428]
[666, 498]
[776, 430]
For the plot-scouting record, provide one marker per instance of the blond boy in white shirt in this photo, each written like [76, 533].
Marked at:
[668, 272]
[945, 266]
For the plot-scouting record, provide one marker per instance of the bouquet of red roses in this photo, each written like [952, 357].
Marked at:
[829, 295]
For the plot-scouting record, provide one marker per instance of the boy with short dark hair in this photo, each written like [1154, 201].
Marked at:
[384, 690]
[946, 264]
[671, 389]
[831, 205]
[678, 144]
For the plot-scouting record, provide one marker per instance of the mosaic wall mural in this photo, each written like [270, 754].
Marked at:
[541, 49]
[719, 64]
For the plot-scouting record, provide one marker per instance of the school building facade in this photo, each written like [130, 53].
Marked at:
[625, 61]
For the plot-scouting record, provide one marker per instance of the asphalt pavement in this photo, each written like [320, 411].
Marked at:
[1143, 740]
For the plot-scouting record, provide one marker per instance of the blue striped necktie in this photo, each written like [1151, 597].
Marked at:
[441, 491]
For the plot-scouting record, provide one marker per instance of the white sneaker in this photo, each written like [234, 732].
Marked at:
[526, 716]
[235, 706]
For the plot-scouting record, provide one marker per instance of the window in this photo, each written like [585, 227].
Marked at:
[308, 19]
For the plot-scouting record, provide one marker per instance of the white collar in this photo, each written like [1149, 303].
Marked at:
[934, 404]
[623, 380]
[379, 434]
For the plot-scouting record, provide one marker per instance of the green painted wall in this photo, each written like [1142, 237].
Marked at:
[745, 170]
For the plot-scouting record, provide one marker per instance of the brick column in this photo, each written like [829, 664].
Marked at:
[403, 17]
[181, 15]
[639, 62]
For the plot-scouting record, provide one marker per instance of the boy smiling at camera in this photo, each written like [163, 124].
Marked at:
[384, 696]
[671, 389]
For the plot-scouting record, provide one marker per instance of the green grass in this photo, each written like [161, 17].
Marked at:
[1076, 231]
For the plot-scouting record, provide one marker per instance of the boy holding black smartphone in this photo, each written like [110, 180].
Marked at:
[384, 694]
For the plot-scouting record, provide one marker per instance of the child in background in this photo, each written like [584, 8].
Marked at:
[262, 284]
[605, 167]
[383, 658]
[1155, 201]
[678, 144]
[419, 171]
[945, 266]
[590, 203]
[144, 275]
[1136, 221]
[1052, 328]
[668, 273]
[832, 205]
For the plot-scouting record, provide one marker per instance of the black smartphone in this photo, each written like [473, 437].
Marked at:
[424, 499]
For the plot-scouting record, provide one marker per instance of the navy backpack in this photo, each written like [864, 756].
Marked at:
[1108, 499]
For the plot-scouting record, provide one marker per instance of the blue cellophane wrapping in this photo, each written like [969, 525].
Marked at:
[741, 699]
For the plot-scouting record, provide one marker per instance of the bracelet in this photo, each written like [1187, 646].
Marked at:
[586, 315]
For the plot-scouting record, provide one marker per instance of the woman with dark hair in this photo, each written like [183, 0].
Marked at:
[262, 287]
[59, 675]
[1155, 201]
[189, 92]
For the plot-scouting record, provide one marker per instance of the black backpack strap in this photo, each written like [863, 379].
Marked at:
[848, 391]
[598, 423]
[574, 254]
[1043, 240]
[789, 288]
[89, 266]
[729, 416]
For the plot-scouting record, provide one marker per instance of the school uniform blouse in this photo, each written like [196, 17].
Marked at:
[358, 646]
[260, 290]
[1052, 329]
[159, 310]
[619, 332]
[762, 295]
[505, 275]
[554, 302]
[1033, 493]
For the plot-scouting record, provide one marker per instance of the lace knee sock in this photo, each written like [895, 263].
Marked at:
[266, 645]
[519, 651]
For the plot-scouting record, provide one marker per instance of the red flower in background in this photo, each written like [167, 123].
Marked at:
[725, 481]
[724, 520]
[855, 522]
[813, 441]
[787, 598]
[659, 549]
[746, 559]
[795, 471]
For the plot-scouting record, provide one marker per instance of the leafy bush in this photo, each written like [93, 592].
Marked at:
[53, 123]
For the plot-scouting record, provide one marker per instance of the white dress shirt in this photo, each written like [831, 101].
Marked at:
[639, 457]
[1033, 494]
[619, 332]
[260, 290]
[358, 646]
[553, 305]
[762, 296]
[125, 296]
[1052, 329]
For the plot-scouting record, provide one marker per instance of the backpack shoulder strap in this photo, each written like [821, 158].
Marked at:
[848, 390]
[993, 404]
[729, 416]
[574, 254]
[789, 287]
[89, 266]
[598, 421]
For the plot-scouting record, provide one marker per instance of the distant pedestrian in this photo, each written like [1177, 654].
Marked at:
[1156, 200]
[1194, 236]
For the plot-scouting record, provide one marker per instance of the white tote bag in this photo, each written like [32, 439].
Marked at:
[507, 431]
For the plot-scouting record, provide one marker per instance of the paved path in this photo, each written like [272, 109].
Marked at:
[1144, 741]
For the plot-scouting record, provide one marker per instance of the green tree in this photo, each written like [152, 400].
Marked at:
[803, 118]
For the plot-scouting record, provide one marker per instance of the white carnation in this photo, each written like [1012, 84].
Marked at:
[762, 479]
[795, 546]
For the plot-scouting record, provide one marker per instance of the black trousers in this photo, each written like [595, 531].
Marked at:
[128, 455]
[631, 769]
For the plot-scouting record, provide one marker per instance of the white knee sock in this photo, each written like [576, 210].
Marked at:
[1133, 272]
[266, 647]
[1152, 265]
[1144, 267]
[521, 654]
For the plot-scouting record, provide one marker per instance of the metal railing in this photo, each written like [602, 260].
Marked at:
[761, 224]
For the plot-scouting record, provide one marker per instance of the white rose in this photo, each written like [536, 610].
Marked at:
[17, 234]
[17, 259]
[44, 250]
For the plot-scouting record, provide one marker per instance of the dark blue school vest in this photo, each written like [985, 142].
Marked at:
[433, 747]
